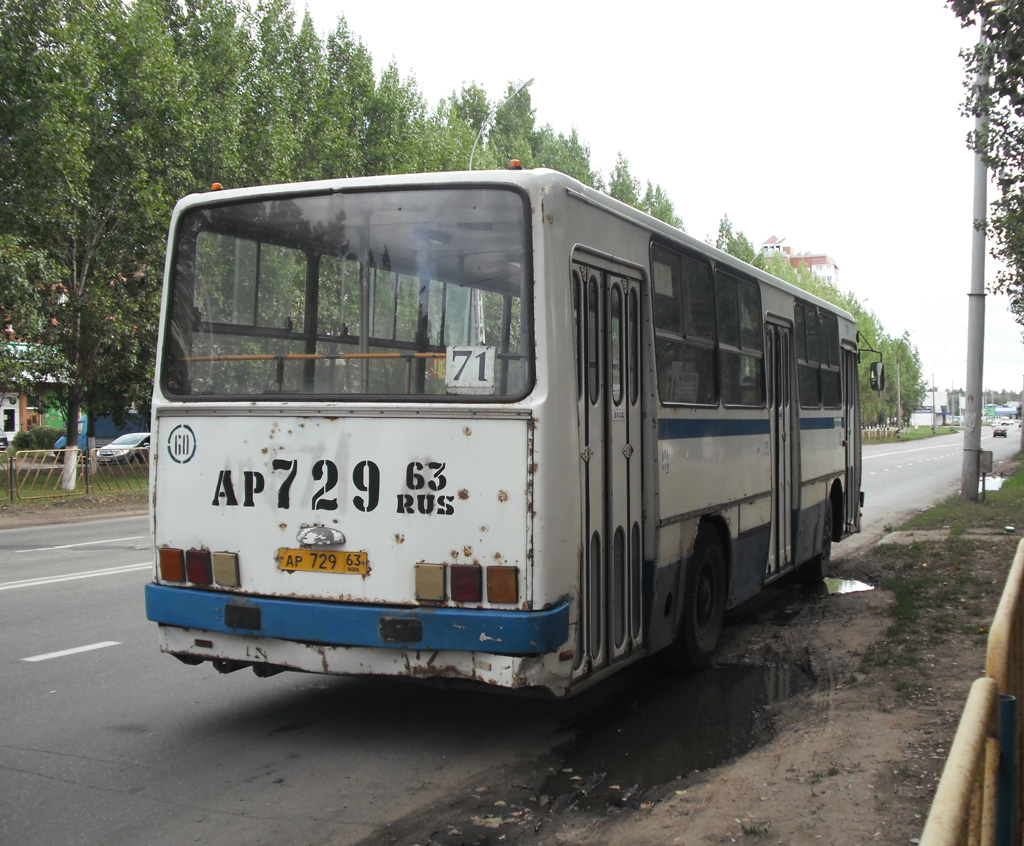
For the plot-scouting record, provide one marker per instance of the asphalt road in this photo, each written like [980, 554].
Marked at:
[103, 740]
[903, 478]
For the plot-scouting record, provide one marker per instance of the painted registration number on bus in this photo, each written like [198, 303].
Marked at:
[322, 561]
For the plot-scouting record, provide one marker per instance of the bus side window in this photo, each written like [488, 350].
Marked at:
[684, 325]
[831, 383]
[808, 356]
[740, 339]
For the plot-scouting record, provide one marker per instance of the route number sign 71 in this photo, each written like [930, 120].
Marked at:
[469, 370]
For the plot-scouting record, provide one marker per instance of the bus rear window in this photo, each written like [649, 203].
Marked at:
[392, 295]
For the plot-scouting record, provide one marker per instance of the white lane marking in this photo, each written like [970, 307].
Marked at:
[73, 651]
[86, 543]
[915, 449]
[49, 580]
[954, 451]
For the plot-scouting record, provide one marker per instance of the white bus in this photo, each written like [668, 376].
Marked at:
[492, 426]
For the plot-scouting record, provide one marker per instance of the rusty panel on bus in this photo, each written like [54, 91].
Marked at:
[388, 494]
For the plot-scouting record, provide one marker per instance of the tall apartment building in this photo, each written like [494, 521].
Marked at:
[821, 264]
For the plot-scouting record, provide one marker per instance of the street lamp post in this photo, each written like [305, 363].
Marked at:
[933, 400]
[934, 361]
[899, 401]
[490, 116]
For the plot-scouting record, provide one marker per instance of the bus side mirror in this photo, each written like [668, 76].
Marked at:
[877, 376]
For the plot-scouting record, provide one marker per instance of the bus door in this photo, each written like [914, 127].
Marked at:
[607, 310]
[783, 436]
[851, 438]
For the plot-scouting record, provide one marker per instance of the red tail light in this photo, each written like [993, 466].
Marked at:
[467, 581]
[199, 566]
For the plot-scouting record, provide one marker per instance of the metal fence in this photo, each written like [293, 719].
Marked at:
[45, 474]
[979, 798]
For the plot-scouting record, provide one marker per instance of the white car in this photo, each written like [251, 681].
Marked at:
[125, 449]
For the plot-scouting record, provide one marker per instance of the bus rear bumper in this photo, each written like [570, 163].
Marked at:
[515, 633]
[267, 656]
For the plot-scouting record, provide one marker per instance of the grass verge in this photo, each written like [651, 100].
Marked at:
[945, 592]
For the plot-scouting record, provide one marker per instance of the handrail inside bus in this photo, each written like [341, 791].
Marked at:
[308, 356]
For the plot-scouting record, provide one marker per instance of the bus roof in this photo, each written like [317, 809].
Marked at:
[531, 180]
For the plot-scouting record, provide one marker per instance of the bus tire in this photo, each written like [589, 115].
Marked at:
[816, 569]
[703, 602]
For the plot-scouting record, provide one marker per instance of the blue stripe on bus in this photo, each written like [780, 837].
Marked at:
[702, 427]
[818, 422]
[343, 624]
[677, 429]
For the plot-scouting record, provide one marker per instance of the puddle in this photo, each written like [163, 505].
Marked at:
[834, 586]
[692, 723]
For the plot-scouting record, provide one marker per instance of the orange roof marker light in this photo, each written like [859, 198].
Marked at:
[515, 164]
[216, 186]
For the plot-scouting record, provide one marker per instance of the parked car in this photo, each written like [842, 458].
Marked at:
[125, 449]
[107, 429]
[999, 430]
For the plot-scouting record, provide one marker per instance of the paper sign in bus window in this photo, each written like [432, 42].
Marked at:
[469, 370]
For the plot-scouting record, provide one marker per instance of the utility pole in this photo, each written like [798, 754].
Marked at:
[976, 298]
[899, 400]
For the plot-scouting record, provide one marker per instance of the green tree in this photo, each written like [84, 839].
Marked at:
[212, 50]
[566, 153]
[99, 114]
[269, 140]
[623, 185]
[471, 107]
[395, 116]
[348, 85]
[512, 134]
[737, 244]
[445, 141]
[657, 204]
[999, 57]
[905, 376]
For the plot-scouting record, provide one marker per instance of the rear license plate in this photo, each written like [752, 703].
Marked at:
[322, 561]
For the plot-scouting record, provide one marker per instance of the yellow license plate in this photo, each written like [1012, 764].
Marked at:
[322, 561]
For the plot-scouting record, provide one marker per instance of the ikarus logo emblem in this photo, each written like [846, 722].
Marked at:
[181, 444]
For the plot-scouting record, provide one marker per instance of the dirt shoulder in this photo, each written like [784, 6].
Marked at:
[858, 760]
[854, 760]
[44, 512]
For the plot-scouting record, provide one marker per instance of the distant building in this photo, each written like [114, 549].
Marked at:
[820, 264]
[940, 415]
[1003, 411]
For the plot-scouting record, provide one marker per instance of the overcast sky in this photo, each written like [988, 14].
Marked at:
[836, 127]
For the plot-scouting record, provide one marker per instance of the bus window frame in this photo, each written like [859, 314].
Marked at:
[526, 317]
[681, 337]
[829, 341]
[740, 349]
[801, 310]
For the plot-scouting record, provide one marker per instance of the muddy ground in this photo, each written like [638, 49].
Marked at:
[854, 758]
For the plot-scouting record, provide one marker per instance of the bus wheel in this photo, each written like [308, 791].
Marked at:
[817, 568]
[703, 602]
